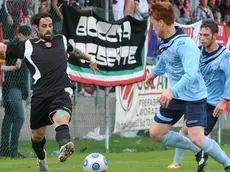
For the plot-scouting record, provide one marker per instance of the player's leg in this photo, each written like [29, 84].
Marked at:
[202, 157]
[196, 116]
[159, 130]
[60, 113]
[211, 120]
[38, 141]
[39, 119]
[61, 121]
[179, 153]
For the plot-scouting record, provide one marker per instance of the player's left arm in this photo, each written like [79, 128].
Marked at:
[224, 66]
[76, 53]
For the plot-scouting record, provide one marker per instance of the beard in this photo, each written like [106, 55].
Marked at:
[47, 37]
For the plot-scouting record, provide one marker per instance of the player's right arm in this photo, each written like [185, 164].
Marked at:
[15, 50]
[158, 70]
[160, 67]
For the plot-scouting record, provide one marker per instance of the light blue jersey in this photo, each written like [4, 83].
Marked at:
[180, 59]
[215, 68]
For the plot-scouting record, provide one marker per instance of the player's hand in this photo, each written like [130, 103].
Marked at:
[165, 98]
[2, 51]
[220, 107]
[18, 63]
[150, 80]
[94, 68]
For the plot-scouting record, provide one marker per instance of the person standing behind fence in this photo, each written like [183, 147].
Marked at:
[15, 9]
[14, 91]
[56, 13]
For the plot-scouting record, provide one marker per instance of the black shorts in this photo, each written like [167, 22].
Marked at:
[43, 108]
[211, 120]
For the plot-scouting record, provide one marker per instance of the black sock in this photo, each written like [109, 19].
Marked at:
[39, 148]
[62, 135]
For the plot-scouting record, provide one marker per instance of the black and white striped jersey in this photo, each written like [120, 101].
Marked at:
[47, 63]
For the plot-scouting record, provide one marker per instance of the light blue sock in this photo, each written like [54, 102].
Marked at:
[174, 139]
[214, 150]
[179, 153]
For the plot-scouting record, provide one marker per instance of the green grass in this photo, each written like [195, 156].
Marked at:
[150, 157]
[118, 162]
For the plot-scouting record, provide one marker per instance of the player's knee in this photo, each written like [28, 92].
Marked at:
[61, 117]
[155, 135]
[197, 141]
[38, 135]
[196, 135]
[37, 138]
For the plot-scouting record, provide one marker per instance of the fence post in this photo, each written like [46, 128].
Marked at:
[75, 99]
[107, 93]
[220, 129]
[107, 123]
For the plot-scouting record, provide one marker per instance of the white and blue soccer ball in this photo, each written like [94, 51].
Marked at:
[95, 162]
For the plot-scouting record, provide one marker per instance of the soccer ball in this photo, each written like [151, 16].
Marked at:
[95, 162]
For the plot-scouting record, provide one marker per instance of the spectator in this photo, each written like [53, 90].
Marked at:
[15, 9]
[82, 5]
[57, 15]
[182, 15]
[2, 10]
[99, 8]
[30, 8]
[194, 4]
[97, 3]
[214, 6]
[187, 6]
[118, 9]
[226, 20]
[129, 7]
[202, 12]
[225, 8]
[44, 6]
[141, 9]
[14, 90]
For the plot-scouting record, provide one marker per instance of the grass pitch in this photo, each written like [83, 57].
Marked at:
[149, 157]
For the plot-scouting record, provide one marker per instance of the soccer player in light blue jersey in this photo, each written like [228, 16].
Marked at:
[214, 66]
[180, 60]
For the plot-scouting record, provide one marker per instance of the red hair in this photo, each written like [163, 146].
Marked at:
[163, 11]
